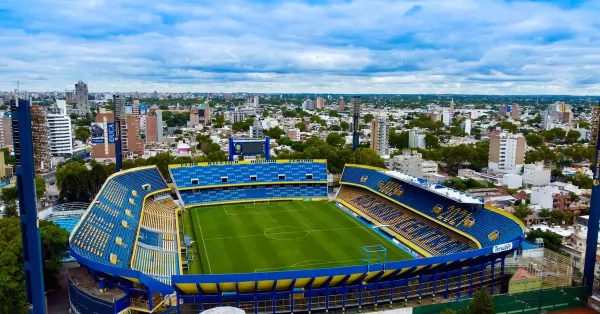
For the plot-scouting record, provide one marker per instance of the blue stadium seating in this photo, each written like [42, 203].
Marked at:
[115, 214]
[423, 232]
[240, 173]
[255, 192]
[453, 213]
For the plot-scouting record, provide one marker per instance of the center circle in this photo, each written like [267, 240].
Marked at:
[286, 233]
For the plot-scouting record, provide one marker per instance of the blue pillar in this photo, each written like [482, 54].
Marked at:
[327, 283]
[30, 233]
[256, 297]
[118, 146]
[310, 284]
[267, 148]
[592, 234]
[231, 149]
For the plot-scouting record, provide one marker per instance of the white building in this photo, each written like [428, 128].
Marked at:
[507, 152]
[536, 174]
[269, 123]
[235, 116]
[59, 130]
[308, 104]
[447, 117]
[416, 140]
[542, 195]
[512, 181]
[256, 130]
[413, 163]
[466, 126]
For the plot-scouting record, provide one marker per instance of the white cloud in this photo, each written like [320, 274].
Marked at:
[362, 46]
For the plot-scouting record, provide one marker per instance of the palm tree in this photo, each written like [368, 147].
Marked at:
[544, 213]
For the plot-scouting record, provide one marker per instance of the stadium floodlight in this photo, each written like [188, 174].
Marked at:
[374, 254]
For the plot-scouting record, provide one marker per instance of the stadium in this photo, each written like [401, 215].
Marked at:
[271, 237]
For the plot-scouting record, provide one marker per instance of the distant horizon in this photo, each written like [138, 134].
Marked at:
[484, 47]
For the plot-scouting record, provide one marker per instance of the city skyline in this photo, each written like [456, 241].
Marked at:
[459, 47]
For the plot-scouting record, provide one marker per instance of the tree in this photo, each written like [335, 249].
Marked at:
[534, 140]
[431, 141]
[572, 136]
[274, 133]
[522, 211]
[73, 181]
[369, 157]
[12, 281]
[368, 118]
[82, 134]
[482, 303]
[301, 125]
[265, 113]
[333, 113]
[509, 126]
[334, 139]
[581, 180]
[344, 125]
[334, 127]
[544, 213]
[40, 187]
[448, 311]
[552, 241]
[11, 209]
[219, 121]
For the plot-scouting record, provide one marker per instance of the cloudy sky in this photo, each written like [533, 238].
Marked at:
[335, 46]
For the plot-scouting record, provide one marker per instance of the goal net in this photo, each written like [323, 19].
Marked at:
[374, 254]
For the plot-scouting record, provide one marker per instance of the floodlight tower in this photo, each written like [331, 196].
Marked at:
[30, 233]
[356, 102]
[594, 220]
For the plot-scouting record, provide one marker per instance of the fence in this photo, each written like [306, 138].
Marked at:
[541, 301]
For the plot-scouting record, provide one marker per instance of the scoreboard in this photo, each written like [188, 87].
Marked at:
[249, 147]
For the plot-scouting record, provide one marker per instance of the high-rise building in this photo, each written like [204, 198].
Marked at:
[447, 117]
[6, 138]
[380, 135]
[507, 152]
[416, 140]
[40, 138]
[294, 134]
[509, 110]
[136, 107]
[133, 142]
[200, 115]
[342, 104]
[256, 130]
[320, 103]
[466, 126]
[59, 130]
[82, 106]
[119, 106]
[356, 103]
[308, 104]
[151, 128]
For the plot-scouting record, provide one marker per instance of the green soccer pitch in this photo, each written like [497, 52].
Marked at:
[277, 236]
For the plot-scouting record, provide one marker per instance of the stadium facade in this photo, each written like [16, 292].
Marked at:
[134, 254]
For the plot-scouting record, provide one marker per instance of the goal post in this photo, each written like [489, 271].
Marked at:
[374, 254]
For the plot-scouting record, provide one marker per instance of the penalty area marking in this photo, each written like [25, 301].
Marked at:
[262, 212]
[303, 264]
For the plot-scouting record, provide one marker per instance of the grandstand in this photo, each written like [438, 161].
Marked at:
[249, 180]
[263, 236]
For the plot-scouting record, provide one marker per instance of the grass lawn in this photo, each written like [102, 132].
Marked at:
[277, 236]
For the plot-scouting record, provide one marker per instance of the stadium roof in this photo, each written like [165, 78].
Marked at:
[435, 188]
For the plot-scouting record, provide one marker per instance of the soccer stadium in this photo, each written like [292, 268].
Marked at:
[274, 237]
